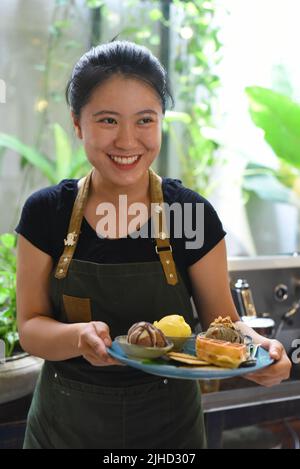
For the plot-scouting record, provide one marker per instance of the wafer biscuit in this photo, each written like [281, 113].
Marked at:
[186, 358]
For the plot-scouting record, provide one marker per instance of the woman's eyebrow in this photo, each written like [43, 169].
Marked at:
[105, 111]
[147, 111]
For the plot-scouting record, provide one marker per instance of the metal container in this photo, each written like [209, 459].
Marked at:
[243, 298]
[275, 292]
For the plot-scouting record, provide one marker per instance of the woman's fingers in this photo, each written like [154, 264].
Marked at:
[276, 373]
[93, 340]
[276, 350]
[94, 360]
[103, 332]
[90, 337]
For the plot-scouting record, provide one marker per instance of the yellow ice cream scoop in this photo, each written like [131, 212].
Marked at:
[173, 326]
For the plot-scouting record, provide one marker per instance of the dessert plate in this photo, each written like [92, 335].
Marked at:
[170, 369]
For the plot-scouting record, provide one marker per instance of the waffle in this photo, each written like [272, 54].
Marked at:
[220, 353]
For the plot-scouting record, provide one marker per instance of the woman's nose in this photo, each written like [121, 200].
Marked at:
[126, 137]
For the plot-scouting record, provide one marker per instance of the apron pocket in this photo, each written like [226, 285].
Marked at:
[147, 418]
[77, 309]
[85, 419]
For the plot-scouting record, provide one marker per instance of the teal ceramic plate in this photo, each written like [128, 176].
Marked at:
[171, 369]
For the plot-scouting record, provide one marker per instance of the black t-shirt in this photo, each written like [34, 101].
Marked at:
[46, 214]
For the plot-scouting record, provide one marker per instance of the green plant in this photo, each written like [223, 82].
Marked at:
[8, 320]
[192, 65]
[197, 54]
[278, 116]
[65, 164]
[197, 80]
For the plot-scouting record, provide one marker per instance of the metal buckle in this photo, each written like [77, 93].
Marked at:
[163, 249]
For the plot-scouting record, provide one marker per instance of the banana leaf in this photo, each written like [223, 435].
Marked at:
[279, 117]
[34, 157]
[63, 152]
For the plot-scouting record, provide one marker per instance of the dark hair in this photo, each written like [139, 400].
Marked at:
[123, 57]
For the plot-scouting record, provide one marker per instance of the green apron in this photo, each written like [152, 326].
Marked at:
[79, 406]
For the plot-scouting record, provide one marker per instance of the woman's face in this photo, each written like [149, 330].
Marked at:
[121, 129]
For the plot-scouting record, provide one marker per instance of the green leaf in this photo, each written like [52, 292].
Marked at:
[6, 273]
[173, 116]
[62, 24]
[94, 3]
[152, 361]
[5, 317]
[267, 187]
[12, 337]
[8, 323]
[279, 117]
[4, 295]
[3, 330]
[80, 164]
[154, 40]
[143, 34]
[191, 9]
[8, 240]
[155, 14]
[55, 32]
[11, 340]
[63, 152]
[35, 158]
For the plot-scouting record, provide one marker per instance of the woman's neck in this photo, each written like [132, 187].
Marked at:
[104, 191]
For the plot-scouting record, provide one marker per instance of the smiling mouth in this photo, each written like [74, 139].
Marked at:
[124, 160]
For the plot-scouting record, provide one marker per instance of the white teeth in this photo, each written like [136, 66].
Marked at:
[126, 160]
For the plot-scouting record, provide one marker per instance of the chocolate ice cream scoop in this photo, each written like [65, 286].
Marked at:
[144, 333]
[224, 329]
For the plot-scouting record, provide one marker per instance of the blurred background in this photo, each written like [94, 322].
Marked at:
[233, 134]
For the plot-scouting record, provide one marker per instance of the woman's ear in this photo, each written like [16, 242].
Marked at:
[76, 125]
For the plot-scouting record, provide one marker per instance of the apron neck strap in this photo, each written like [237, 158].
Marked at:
[74, 228]
[163, 247]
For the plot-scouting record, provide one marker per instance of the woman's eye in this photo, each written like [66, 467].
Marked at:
[146, 120]
[111, 120]
[107, 120]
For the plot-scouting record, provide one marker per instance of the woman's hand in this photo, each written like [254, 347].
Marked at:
[93, 339]
[274, 374]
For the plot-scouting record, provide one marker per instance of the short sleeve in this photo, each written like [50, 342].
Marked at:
[202, 228]
[34, 222]
[209, 231]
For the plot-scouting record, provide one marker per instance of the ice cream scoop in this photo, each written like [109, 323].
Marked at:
[144, 333]
[173, 326]
[224, 329]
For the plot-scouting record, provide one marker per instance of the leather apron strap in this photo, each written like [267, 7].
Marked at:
[163, 247]
[74, 228]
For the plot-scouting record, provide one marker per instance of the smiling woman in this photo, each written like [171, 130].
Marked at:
[85, 290]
